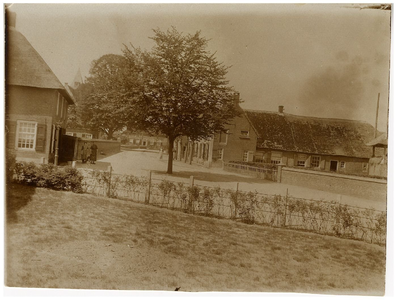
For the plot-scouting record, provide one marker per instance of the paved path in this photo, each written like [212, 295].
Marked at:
[139, 163]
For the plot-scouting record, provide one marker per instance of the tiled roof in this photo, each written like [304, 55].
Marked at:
[312, 135]
[25, 66]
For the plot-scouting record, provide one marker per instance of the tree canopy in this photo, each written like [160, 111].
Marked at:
[178, 88]
[101, 102]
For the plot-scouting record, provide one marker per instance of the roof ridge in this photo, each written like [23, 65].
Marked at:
[306, 117]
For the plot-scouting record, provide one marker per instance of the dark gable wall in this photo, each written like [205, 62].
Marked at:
[236, 145]
[32, 104]
[31, 101]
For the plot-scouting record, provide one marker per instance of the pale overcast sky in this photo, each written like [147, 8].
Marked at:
[316, 60]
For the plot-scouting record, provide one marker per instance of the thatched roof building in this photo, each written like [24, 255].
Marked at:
[323, 136]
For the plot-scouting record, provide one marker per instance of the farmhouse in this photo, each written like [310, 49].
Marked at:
[237, 143]
[318, 143]
[36, 102]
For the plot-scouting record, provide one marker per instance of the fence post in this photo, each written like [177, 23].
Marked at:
[286, 209]
[191, 202]
[279, 170]
[236, 203]
[110, 180]
[149, 186]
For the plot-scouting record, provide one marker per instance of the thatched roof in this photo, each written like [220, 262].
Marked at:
[25, 66]
[312, 135]
[379, 141]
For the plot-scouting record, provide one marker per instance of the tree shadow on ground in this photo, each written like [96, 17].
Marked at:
[214, 177]
[17, 197]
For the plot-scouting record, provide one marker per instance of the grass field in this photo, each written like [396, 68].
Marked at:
[65, 240]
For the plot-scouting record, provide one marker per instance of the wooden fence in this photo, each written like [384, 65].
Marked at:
[263, 173]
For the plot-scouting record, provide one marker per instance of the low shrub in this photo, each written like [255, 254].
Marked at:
[48, 176]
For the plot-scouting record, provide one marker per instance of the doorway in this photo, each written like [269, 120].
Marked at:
[334, 165]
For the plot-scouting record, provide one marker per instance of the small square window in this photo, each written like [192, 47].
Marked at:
[301, 160]
[244, 133]
[315, 161]
[342, 164]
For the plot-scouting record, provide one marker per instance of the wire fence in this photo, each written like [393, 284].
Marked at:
[323, 217]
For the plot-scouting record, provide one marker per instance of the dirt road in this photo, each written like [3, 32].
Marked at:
[139, 163]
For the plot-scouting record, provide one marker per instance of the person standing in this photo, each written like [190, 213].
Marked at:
[88, 151]
[83, 153]
[94, 151]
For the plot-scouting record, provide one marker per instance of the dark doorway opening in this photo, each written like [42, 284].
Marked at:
[334, 165]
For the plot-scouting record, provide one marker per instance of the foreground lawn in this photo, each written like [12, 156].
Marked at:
[65, 240]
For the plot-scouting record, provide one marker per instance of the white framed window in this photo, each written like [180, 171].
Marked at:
[223, 137]
[244, 133]
[220, 154]
[245, 156]
[315, 161]
[276, 157]
[301, 160]
[86, 135]
[342, 164]
[26, 135]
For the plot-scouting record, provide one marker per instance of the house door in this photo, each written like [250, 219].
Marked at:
[334, 165]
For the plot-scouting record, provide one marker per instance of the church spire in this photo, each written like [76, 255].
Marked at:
[78, 79]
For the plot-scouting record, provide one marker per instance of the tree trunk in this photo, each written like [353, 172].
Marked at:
[191, 152]
[110, 135]
[170, 154]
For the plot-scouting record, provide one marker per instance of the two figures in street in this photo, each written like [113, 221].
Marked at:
[89, 152]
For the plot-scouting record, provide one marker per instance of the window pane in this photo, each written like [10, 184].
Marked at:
[26, 135]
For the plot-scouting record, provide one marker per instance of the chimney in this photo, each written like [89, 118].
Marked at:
[281, 109]
[11, 18]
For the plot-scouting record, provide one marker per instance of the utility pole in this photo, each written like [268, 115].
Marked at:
[376, 121]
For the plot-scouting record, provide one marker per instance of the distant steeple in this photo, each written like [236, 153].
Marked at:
[78, 79]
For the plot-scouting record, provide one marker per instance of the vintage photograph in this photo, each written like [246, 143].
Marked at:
[197, 147]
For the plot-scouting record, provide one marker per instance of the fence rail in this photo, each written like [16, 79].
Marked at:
[264, 173]
[323, 217]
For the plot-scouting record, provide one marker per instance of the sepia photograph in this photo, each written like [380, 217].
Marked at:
[197, 147]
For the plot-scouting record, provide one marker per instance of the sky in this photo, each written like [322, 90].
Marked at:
[315, 60]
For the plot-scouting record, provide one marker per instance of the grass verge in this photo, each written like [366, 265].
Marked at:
[64, 240]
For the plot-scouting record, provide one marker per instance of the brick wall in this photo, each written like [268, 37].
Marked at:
[235, 144]
[362, 187]
[35, 105]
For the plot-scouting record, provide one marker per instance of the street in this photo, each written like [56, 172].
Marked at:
[139, 163]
